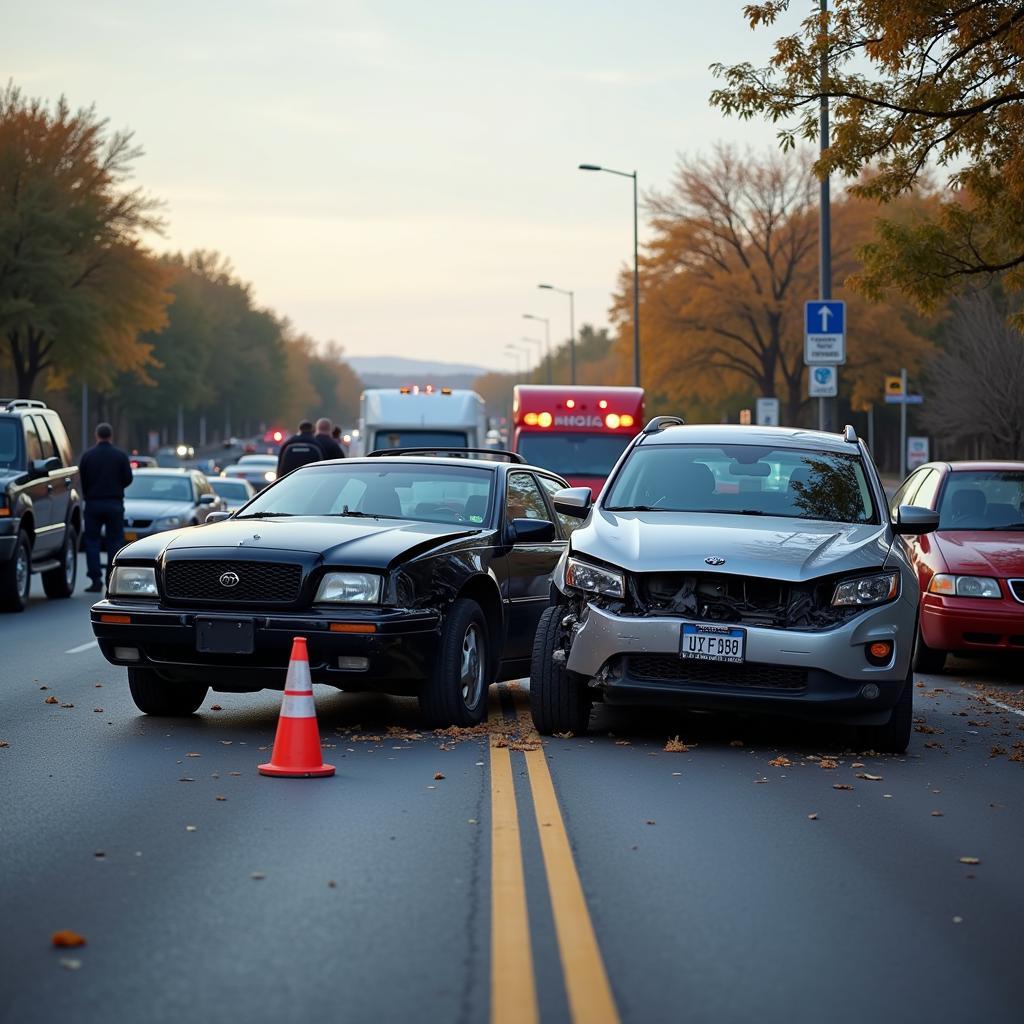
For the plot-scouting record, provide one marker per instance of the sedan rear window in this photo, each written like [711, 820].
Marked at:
[746, 480]
[427, 493]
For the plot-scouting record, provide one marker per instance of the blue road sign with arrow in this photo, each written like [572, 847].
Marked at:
[824, 332]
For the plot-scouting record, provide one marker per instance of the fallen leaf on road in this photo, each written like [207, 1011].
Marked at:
[676, 746]
[780, 762]
[438, 775]
[970, 860]
[870, 778]
[70, 963]
[51, 700]
[997, 752]
[564, 735]
[812, 817]
[842, 785]
[216, 707]
[67, 939]
[827, 762]
[220, 798]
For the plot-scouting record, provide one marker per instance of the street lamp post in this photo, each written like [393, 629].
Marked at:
[547, 337]
[572, 327]
[636, 263]
[516, 351]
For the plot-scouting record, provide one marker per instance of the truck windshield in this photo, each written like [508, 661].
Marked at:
[572, 454]
[401, 438]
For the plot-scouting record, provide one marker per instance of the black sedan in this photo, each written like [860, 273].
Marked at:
[407, 574]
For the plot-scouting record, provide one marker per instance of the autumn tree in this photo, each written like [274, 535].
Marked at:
[975, 386]
[76, 284]
[911, 84]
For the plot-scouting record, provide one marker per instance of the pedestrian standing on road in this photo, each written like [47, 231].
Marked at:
[105, 471]
[324, 438]
[299, 449]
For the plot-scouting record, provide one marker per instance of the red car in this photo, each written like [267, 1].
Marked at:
[972, 568]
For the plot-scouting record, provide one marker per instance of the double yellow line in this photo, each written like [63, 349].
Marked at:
[513, 985]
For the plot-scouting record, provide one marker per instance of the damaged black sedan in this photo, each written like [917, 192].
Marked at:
[407, 573]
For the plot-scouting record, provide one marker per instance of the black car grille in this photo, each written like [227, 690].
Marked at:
[669, 668]
[263, 582]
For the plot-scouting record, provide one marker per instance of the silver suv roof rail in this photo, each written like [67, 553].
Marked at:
[661, 422]
[849, 434]
[21, 403]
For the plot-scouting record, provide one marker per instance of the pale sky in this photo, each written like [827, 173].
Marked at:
[399, 176]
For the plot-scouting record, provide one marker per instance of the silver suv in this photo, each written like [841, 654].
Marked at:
[732, 567]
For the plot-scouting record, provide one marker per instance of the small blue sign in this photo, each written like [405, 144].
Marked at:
[825, 317]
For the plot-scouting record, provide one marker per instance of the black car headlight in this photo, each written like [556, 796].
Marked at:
[132, 581]
[867, 590]
[349, 588]
[593, 579]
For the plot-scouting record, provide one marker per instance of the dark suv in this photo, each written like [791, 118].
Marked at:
[40, 503]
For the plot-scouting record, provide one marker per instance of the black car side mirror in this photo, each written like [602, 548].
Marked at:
[217, 517]
[43, 467]
[574, 501]
[531, 531]
[207, 499]
[913, 520]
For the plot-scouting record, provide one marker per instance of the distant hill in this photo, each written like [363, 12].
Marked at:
[394, 371]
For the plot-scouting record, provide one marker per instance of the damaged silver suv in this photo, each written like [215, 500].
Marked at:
[738, 568]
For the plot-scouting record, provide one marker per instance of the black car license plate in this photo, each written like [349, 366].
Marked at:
[224, 636]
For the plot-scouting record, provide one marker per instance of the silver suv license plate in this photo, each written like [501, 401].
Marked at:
[712, 642]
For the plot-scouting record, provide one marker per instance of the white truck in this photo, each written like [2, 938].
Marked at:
[420, 417]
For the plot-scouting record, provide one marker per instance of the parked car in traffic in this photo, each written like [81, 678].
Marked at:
[259, 470]
[407, 574]
[40, 503]
[971, 570]
[165, 499]
[235, 492]
[142, 461]
[732, 567]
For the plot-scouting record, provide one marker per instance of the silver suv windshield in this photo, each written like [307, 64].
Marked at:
[740, 479]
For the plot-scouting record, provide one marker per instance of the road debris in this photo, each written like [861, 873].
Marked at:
[67, 939]
[675, 746]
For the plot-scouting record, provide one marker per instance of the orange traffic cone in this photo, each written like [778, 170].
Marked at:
[296, 753]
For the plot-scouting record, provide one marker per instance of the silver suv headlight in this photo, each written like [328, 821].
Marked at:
[594, 580]
[132, 581]
[867, 590]
[350, 588]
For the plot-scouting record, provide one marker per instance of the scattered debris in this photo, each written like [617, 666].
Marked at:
[842, 785]
[220, 798]
[191, 828]
[970, 860]
[98, 710]
[651, 821]
[257, 876]
[438, 775]
[781, 762]
[676, 746]
[216, 707]
[69, 963]
[67, 939]
[828, 763]
[936, 814]
[565, 735]
[51, 700]
[869, 777]
[735, 743]
[812, 817]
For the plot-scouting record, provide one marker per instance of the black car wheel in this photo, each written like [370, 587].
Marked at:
[559, 701]
[894, 736]
[16, 577]
[927, 659]
[456, 692]
[156, 696]
[60, 582]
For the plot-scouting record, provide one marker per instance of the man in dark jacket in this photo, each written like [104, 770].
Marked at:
[106, 472]
[325, 439]
[299, 449]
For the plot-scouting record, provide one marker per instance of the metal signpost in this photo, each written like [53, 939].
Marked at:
[896, 394]
[824, 345]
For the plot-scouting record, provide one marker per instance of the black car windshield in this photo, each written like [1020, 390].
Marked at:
[745, 480]
[982, 500]
[9, 429]
[160, 487]
[570, 454]
[423, 492]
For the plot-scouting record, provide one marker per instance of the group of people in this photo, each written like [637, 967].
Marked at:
[310, 444]
[106, 471]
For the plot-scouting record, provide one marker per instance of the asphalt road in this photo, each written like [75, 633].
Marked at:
[586, 879]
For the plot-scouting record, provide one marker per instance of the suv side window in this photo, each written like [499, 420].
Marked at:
[524, 500]
[33, 449]
[568, 523]
[60, 438]
[49, 449]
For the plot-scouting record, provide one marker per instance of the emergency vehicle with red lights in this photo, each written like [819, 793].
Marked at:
[578, 432]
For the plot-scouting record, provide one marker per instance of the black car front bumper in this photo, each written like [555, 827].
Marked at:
[399, 645]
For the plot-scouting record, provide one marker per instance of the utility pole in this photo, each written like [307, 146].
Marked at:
[903, 424]
[824, 204]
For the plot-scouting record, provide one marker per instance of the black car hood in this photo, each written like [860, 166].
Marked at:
[359, 543]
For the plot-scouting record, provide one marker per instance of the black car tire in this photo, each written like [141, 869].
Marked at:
[559, 701]
[450, 697]
[927, 659]
[155, 696]
[60, 582]
[16, 576]
[894, 736]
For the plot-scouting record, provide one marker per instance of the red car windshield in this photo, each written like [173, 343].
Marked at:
[983, 500]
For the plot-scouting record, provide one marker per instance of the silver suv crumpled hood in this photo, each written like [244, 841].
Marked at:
[766, 547]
